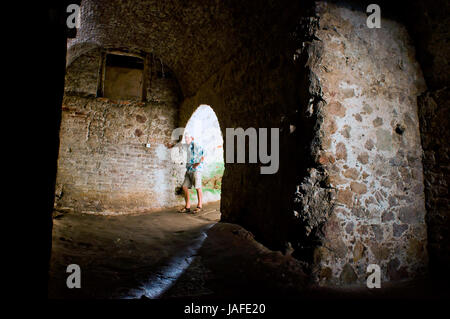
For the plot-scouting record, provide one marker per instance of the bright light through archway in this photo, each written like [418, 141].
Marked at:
[204, 127]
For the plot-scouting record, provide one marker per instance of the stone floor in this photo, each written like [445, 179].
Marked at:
[171, 255]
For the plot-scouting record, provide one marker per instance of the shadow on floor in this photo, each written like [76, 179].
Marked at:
[169, 255]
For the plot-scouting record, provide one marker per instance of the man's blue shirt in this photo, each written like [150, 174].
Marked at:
[195, 153]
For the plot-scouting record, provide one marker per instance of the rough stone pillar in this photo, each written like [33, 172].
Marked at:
[363, 200]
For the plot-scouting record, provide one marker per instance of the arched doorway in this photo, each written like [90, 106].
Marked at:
[205, 128]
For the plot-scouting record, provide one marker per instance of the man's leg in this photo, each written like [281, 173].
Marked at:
[186, 185]
[186, 196]
[198, 187]
[200, 197]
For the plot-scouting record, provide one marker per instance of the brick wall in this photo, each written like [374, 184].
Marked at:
[103, 164]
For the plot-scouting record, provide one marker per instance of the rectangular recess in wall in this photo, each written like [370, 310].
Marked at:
[123, 78]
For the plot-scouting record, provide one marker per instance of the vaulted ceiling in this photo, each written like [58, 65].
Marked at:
[194, 38]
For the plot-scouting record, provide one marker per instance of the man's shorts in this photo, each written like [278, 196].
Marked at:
[193, 178]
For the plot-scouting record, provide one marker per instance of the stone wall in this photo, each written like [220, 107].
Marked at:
[434, 125]
[429, 29]
[349, 191]
[104, 165]
[364, 85]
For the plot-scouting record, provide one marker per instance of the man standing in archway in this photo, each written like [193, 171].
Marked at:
[193, 176]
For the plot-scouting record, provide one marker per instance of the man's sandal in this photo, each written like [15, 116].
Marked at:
[184, 210]
[197, 209]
